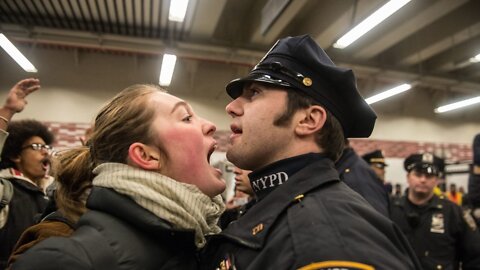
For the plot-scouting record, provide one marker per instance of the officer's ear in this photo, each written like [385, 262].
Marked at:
[310, 120]
[144, 156]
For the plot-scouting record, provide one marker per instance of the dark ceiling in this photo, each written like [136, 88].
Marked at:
[427, 42]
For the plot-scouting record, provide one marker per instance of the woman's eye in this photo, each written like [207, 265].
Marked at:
[188, 118]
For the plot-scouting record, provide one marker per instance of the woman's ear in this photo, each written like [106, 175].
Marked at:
[144, 156]
[311, 120]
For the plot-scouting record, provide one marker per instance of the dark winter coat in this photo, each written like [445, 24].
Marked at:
[116, 233]
[54, 224]
[25, 209]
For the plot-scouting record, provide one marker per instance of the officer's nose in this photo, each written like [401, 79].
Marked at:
[235, 108]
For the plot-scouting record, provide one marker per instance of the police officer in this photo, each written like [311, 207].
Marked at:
[360, 177]
[376, 160]
[290, 116]
[436, 228]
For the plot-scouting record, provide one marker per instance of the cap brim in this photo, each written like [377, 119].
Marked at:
[426, 168]
[379, 165]
[235, 87]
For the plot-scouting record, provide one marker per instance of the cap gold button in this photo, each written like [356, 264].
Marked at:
[307, 81]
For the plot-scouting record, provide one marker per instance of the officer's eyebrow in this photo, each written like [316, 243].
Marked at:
[247, 85]
[254, 86]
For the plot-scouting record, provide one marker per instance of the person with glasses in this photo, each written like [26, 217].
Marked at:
[25, 164]
[290, 117]
[439, 232]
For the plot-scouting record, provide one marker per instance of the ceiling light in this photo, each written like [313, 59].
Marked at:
[457, 105]
[366, 25]
[178, 8]
[475, 59]
[16, 54]
[388, 93]
[166, 72]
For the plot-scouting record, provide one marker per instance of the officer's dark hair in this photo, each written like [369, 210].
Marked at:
[330, 138]
[18, 133]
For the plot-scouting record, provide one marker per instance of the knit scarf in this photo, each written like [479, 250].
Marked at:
[181, 204]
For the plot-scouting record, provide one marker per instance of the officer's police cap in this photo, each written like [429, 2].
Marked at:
[375, 157]
[425, 163]
[300, 64]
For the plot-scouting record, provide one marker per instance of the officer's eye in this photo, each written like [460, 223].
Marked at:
[251, 92]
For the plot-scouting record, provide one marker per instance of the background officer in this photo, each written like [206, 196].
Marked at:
[436, 228]
[376, 160]
[360, 177]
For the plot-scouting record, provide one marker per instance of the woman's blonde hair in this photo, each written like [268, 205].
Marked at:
[125, 119]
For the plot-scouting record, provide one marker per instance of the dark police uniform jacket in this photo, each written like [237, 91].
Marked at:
[474, 189]
[471, 201]
[438, 233]
[312, 221]
[116, 234]
[358, 175]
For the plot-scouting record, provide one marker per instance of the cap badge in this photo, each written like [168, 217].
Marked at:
[307, 81]
[427, 158]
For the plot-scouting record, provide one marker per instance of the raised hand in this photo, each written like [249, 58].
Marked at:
[16, 101]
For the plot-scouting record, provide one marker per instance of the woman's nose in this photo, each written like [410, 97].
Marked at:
[209, 127]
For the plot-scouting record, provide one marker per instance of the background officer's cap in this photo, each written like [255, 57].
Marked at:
[376, 157]
[425, 163]
[299, 63]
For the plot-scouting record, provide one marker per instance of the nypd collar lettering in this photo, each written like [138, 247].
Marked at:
[268, 178]
[268, 181]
